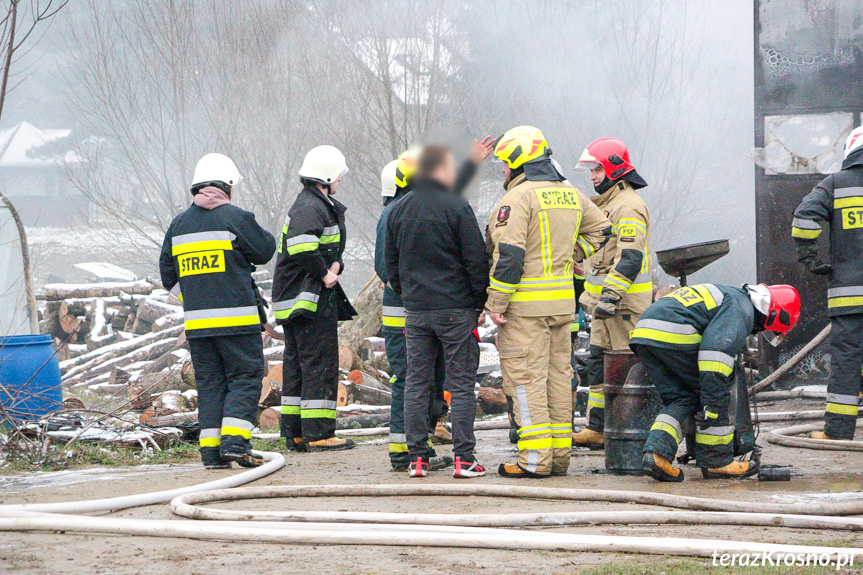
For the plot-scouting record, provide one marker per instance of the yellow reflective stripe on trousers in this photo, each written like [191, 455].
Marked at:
[210, 437]
[544, 443]
[841, 409]
[561, 442]
[548, 295]
[715, 435]
[596, 399]
[393, 316]
[715, 366]
[667, 428]
[236, 426]
[222, 317]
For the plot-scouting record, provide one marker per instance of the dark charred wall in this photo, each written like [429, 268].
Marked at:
[808, 96]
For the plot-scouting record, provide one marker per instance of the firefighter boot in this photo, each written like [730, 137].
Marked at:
[588, 438]
[822, 435]
[660, 468]
[513, 471]
[331, 444]
[442, 435]
[734, 470]
[297, 444]
[212, 460]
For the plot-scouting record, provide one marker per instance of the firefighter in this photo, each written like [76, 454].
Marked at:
[534, 233]
[688, 342]
[838, 200]
[618, 285]
[308, 301]
[208, 256]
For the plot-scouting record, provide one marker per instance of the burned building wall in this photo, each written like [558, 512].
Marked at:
[808, 97]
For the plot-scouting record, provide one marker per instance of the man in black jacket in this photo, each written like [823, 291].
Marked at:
[208, 256]
[309, 302]
[436, 262]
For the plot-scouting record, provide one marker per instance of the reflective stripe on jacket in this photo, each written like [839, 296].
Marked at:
[713, 320]
[312, 239]
[838, 201]
[206, 261]
[535, 232]
[623, 265]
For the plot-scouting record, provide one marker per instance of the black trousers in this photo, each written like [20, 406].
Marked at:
[311, 375]
[228, 374]
[843, 389]
[675, 375]
[426, 332]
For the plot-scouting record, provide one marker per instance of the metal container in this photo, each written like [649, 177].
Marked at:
[631, 406]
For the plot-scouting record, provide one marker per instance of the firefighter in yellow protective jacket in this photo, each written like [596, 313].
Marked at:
[538, 228]
[618, 284]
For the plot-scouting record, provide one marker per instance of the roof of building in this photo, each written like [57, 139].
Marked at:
[26, 146]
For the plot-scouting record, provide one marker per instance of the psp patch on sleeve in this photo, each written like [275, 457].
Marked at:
[503, 215]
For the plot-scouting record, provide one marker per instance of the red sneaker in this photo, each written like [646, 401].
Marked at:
[465, 469]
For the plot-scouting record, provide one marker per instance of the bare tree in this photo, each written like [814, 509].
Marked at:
[17, 25]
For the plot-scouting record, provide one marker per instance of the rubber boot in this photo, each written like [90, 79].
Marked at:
[588, 438]
[331, 444]
[734, 470]
[212, 460]
[441, 436]
[513, 471]
[660, 468]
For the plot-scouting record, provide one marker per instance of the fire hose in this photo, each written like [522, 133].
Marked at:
[439, 530]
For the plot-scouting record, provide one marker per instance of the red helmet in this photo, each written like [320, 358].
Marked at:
[611, 154]
[783, 313]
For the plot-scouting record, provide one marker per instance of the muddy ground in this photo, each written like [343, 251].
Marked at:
[833, 475]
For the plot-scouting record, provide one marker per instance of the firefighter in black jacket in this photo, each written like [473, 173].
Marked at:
[309, 302]
[208, 255]
[838, 200]
[688, 342]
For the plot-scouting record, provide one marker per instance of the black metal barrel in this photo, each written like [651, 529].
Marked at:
[631, 406]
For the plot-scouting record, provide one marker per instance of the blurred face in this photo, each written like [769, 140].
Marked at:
[445, 173]
[334, 186]
[597, 175]
[507, 175]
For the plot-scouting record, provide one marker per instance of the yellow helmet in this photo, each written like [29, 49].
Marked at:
[407, 165]
[520, 145]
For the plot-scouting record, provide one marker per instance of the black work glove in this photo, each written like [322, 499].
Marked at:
[607, 305]
[807, 254]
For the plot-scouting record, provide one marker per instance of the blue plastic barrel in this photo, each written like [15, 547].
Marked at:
[30, 376]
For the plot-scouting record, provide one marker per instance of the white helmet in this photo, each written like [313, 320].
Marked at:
[854, 141]
[324, 164]
[388, 179]
[216, 168]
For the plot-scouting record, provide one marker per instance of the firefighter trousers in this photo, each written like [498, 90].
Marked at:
[605, 334]
[228, 374]
[675, 375]
[311, 375]
[535, 362]
[843, 389]
[394, 340]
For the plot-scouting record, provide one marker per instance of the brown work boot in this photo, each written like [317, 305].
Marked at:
[588, 438]
[734, 470]
[441, 436]
[513, 471]
[822, 435]
[331, 444]
[296, 444]
[660, 468]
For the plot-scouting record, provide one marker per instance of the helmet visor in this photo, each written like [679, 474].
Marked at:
[774, 338]
[587, 166]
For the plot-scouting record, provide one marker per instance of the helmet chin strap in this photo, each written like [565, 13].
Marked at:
[604, 185]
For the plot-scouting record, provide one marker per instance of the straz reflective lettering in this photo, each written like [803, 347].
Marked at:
[687, 296]
[201, 263]
[852, 218]
[557, 198]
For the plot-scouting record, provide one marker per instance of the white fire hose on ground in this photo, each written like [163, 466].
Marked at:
[439, 530]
